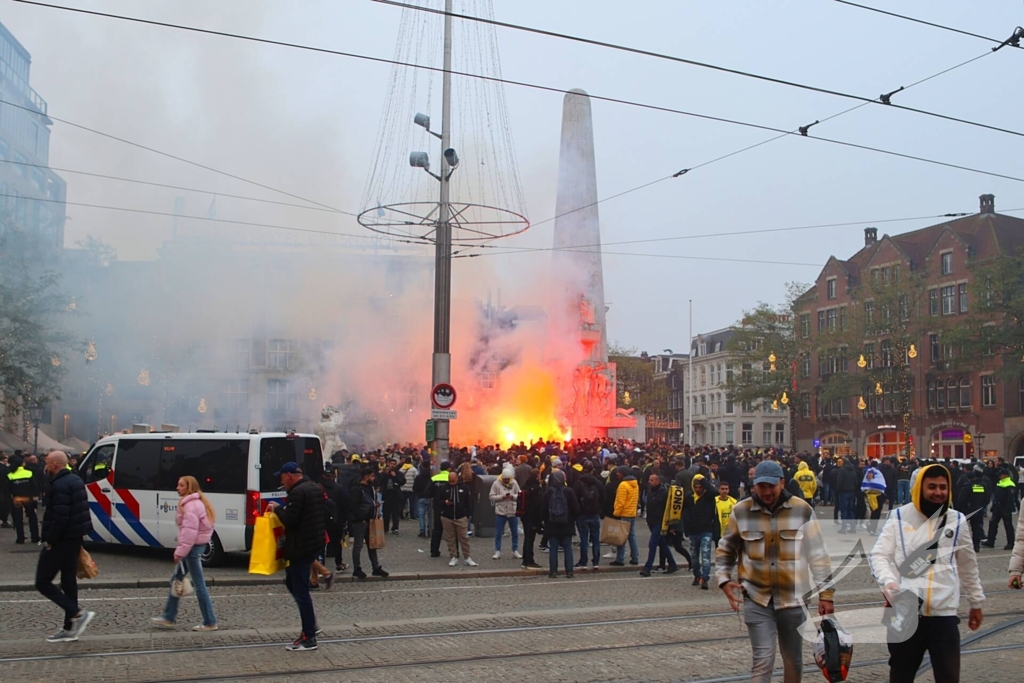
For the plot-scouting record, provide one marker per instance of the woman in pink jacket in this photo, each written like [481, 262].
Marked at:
[195, 529]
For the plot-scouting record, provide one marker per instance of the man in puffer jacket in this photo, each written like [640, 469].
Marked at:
[627, 495]
[66, 520]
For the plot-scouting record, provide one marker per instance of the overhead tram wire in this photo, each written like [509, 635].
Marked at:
[723, 157]
[136, 181]
[1001, 43]
[382, 60]
[174, 156]
[738, 233]
[704, 65]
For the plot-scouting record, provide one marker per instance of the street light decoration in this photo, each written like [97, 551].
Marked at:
[202, 405]
[861, 404]
[55, 361]
[90, 351]
[771, 360]
[143, 378]
[785, 398]
[862, 362]
[912, 352]
[878, 388]
[312, 394]
[110, 389]
[775, 404]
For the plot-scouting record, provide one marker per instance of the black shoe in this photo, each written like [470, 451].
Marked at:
[644, 572]
[634, 562]
[379, 571]
[696, 581]
[1008, 546]
[704, 584]
[616, 563]
[358, 574]
[421, 535]
[581, 565]
[435, 554]
[672, 570]
[394, 531]
[988, 545]
[533, 565]
[553, 575]
[20, 541]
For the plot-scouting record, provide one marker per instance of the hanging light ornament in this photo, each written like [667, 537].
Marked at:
[143, 378]
[202, 405]
[861, 404]
[72, 305]
[775, 404]
[90, 351]
[785, 398]
[862, 362]
[771, 361]
[110, 389]
[912, 353]
[878, 388]
[626, 398]
[55, 361]
[312, 394]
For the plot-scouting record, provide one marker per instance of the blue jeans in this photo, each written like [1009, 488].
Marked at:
[826, 494]
[700, 552]
[903, 492]
[566, 543]
[658, 541]
[634, 549]
[296, 580]
[194, 568]
[589, 527]
[422, 513]
[846, 510]
[499, 530]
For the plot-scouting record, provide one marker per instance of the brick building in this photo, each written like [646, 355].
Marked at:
[954, 413]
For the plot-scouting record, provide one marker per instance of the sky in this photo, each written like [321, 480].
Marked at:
[306, 123]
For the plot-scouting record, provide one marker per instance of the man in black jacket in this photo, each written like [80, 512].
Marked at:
[339, 497]
[847, 485]
[304, 516]
[456, 504]
[66, 520]
[1004, 495]
[590, 494]
[390, 482]
[363, 508]
[657, 498]
[700, 515]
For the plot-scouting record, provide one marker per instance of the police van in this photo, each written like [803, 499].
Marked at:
[131, 481]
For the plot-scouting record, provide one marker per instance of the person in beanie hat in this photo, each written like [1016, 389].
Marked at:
[504, 497]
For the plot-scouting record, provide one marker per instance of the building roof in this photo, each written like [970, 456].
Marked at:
[711, 339]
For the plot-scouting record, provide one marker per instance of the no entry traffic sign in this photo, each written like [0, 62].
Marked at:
[443, 396]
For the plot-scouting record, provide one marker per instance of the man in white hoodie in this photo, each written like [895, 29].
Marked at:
[924, 556]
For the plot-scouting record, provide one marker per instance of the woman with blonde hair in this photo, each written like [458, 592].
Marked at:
[195, 520]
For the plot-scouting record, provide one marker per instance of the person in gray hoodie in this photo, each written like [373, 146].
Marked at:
[504, 497]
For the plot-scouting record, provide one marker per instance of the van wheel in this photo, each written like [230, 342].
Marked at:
[213, 554]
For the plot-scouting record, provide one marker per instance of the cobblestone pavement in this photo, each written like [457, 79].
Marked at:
[596, 627]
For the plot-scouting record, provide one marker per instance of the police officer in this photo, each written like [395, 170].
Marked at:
[973, 497]
[1003, 498]
[24, 497]
[439, 480]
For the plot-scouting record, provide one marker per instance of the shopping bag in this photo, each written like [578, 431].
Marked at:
[614, 531]
[377, 537]
[267, 555]
[87, 568]
[181, 585]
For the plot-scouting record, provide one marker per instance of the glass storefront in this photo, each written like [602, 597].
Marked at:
[886, 444]
[949, 443]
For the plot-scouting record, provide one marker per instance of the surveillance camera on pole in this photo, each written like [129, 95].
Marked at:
[452, 158]
[423, 121]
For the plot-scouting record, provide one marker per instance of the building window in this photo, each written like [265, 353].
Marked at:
[869, 313]
[965, 393]
[933, 301]
[948, 300]
[832, 315]
[821, 321]
[931, 395]
[842, 319]
[729, 432]
[766, 434]
[279, 354]
[947, 263]
[728, 373]
[728, 404]
[940, 395]
[805, 325]
[831, 288]
[746, 408]
[886, 353]
[962, 291]
[703, 404]
[988, 391]
[747, 433]
[703, 377]
[239, 350]
[885, 276]
[805, 365]
[278, 395]
[952, 394]
[904, 308]
[805, 402]
[780, 433]
[869, 356]
[933, 342]
[234, 395]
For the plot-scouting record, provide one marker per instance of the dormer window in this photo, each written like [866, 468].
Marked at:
[831, 288]
[947, 263]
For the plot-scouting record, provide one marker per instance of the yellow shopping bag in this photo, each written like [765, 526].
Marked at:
[267, 556]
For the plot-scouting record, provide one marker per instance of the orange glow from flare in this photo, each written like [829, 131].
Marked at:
[525, 407]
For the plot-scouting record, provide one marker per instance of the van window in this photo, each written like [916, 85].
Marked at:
[97, 465]
[219, 466]
[277, 451]
[138, 464]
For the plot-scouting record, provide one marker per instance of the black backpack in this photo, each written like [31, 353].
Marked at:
[590, 500]
[558, 512]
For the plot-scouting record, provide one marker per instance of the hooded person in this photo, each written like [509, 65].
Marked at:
[504, 497]
[559, 510]
[923, 560]
[847, 484]
[807, 482]
[700, 517]
[873, 485]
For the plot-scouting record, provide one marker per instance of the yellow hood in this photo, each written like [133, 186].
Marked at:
[698, 478]
[801, 466]
[917, 482]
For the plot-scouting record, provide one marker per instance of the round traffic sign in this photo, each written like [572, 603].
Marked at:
[443, 396]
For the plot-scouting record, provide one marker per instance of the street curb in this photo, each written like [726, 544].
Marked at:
[255, 580]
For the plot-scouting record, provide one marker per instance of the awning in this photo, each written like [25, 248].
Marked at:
[9, 442]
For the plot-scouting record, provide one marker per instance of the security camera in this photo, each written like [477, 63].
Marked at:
[422, 120]
[419, 160]
[451, 157]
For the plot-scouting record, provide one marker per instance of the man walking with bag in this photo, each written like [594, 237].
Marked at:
[304, 517]
[363, 498]
[66, 520]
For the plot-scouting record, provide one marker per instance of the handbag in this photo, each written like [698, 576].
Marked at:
[86, 568]
[181, 585]
[377, 538]
[614, 532]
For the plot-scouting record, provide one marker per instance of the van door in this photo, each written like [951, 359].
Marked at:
[95, 471]
[136, 495]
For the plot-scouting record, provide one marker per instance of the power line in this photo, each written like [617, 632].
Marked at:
[164, 185]
[739, 233]
[759, 262]
[932, 24]
[704, 65]
[150, 212]
[167, 154]
[381, 60]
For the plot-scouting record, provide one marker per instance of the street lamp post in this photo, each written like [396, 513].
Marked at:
[35, 414]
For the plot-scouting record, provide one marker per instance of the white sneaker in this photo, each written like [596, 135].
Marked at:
[454, 562]
[496, 555]
[470, 562]
[609, 556]
[516, 554]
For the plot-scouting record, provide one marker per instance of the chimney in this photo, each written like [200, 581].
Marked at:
[988, 203]
[870, 236]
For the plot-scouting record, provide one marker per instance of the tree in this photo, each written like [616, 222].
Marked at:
[637, 387]
[31, 338]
